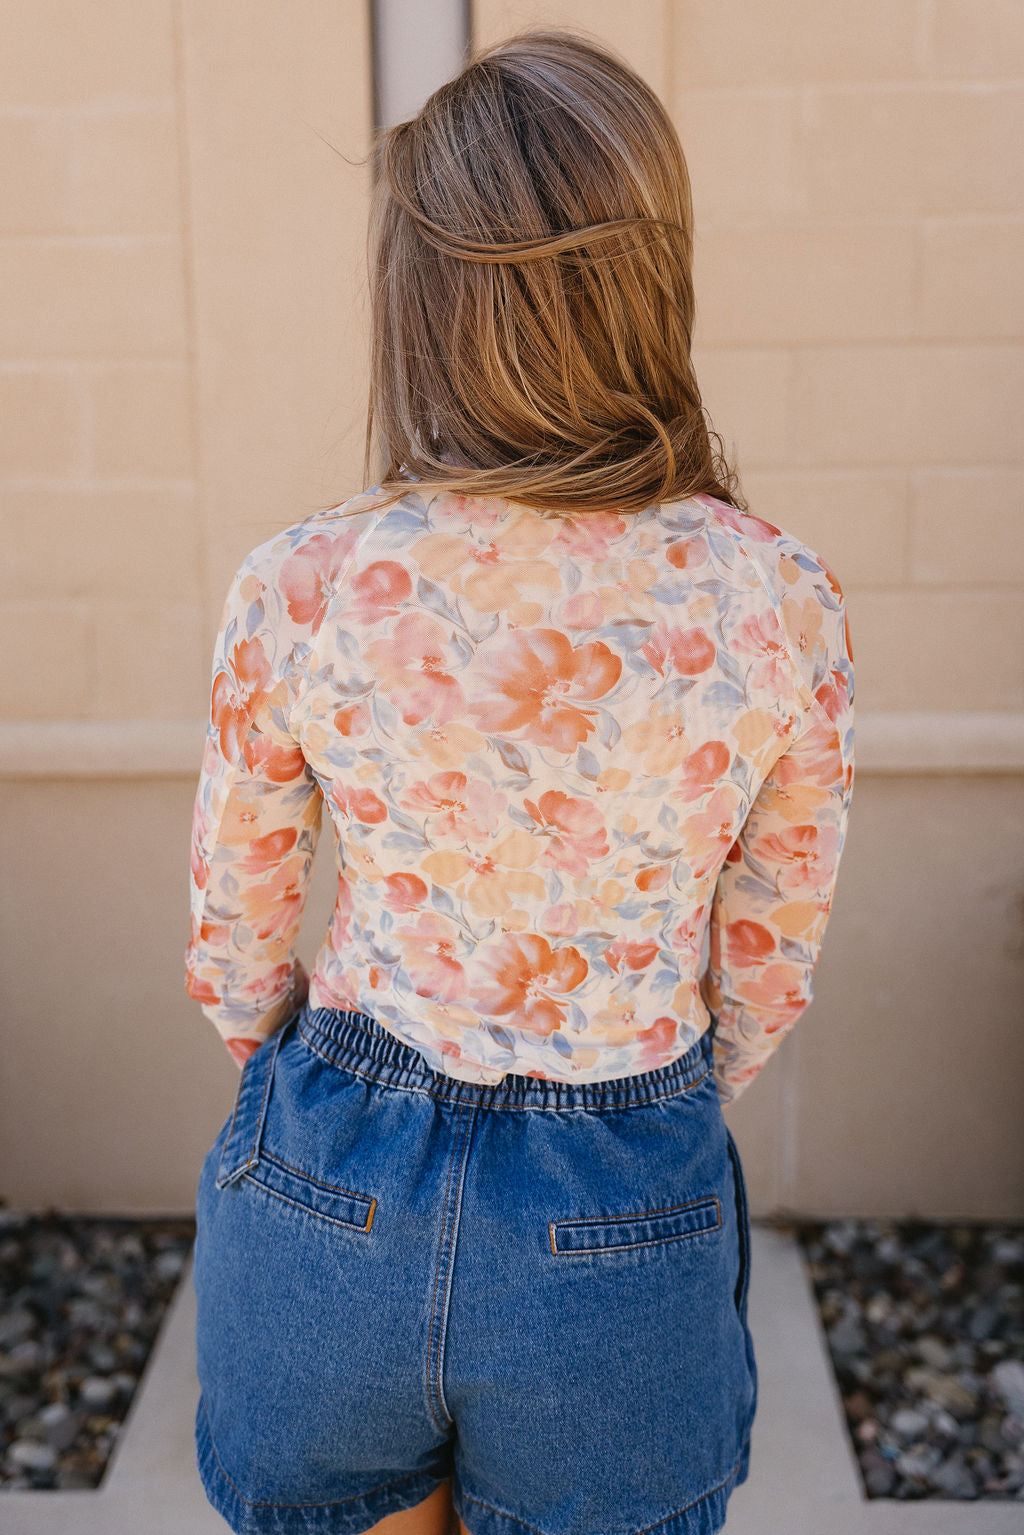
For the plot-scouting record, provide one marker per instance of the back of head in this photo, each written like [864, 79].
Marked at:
[532, 294]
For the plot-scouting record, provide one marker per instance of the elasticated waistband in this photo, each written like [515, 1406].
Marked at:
[356, 1042]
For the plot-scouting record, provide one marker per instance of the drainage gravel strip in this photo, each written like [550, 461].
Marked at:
[81, 1302]
[925, 1327]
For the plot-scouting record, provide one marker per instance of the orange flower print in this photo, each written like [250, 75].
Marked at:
[834, 697]
[197, 986]
[411, 665]
[309, 577]
[702, 770]
[274, 906]
[520, 973]
[238, 692]
[577, 831]
[707, 834]
[280, 764]
[688, 553]
[741, 522]
[428, 955]
[631, 953]
[806, 856]
[589, 536]
[353, 721]
[360, 804]
[779, 988]
[749, 942]
[457, 807]
[761, 636]
[654, 877]
[405, 892]
[689, 651]
[656, 1042]
[538, 677]
[241, 1049]
[379, 590]
[265, 852]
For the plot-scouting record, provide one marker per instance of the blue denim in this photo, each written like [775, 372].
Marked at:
[538, 1288]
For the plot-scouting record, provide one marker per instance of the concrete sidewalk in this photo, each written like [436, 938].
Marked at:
[803, 1478]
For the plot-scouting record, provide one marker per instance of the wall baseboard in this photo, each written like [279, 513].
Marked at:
[887, 744]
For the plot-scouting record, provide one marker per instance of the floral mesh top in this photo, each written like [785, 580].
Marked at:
[589, 776]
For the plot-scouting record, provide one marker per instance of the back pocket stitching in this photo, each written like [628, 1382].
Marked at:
[330, 1188]
[319, 1215]
[613, 1220]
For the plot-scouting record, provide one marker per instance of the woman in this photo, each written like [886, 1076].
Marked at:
[474, 1240]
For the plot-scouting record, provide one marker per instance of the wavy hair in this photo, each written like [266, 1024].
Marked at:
[532, 306]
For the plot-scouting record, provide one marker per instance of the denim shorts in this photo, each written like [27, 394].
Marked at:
[536, 1288]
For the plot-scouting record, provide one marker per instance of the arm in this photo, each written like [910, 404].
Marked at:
[255, 828]
[774, 893]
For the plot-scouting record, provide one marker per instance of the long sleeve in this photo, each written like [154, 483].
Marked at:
[255, 827]
[774, 893]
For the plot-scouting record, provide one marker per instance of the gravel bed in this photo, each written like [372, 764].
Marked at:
[925, 1326]
[81, 1301]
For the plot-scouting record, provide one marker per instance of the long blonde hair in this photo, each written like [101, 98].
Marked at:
[532, 306]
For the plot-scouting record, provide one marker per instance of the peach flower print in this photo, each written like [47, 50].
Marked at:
[308, 577]
[690, 651]
[577, 827]
[761, 636]
[456, 806]
[536, 682]
[520, 974]
[702, 769]
[805, 855]
[412, 667]
[379, 591]
[428, 954]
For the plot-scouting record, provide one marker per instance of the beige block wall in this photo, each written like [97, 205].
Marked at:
[182, 371]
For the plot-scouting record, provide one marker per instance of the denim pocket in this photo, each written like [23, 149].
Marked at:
[645, 1228]
[244, 1154]
[329, 1201]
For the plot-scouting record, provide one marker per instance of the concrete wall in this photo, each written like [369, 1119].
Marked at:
[182, 370]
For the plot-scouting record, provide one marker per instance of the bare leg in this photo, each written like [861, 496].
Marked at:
[434, 1516]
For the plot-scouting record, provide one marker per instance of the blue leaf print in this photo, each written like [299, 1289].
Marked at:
[403, 523]
[661, 591]
[577, 1018]
[511, 755]
[463, 648]
[723, 695]
[587, 763]
[441, 901]
[609, 732]
[431, 596]
[624, 633]
[400, 842]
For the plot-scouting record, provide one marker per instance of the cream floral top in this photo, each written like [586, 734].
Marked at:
[589, 776]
